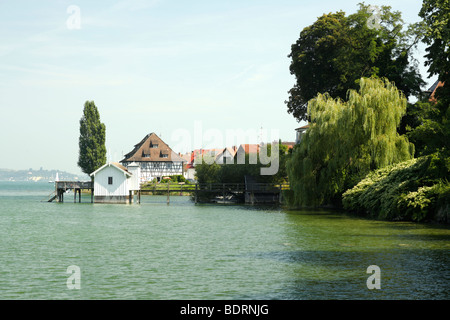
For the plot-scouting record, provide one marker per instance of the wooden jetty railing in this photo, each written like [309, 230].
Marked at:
[61, 187]
[201, 192]
[220, 192]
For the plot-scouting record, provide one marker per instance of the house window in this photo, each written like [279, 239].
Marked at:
[110, 180]
[164, 155]
[169, 166]
[153, 145]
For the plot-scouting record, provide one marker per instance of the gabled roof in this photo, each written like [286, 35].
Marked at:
[432, 90]
[205, 152]
[231, 151]
[433, 87]
[290, 145]
[113, 164]
[187, 157]
[303, 127]
[249, 148]
[152, 148]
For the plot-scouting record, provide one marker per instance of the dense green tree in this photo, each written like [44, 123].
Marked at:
[426, 127]
[436, 16]
[210, 172]
[92, 149]
[207, 172]
[433, 133]
[332, 54]
[346, 140]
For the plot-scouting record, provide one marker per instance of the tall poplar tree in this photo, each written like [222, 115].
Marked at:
[92, 152]
[346, 140]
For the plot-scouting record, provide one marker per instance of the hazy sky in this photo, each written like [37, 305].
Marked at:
[182, 69]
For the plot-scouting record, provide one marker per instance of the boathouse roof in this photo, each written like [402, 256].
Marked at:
[114, 164]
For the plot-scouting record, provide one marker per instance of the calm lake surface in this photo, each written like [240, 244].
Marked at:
[188, 251]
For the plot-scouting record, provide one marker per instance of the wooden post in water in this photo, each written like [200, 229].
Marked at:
[196, 185]
[281, 201]
[92, 194]
[168, 192]
[223, 192]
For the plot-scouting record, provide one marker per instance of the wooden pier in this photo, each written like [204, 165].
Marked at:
[61, 187]
[254, 193]
[249, 192]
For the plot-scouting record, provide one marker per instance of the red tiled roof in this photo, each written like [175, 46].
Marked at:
[303, 127]
[250, 148]
[143, 151]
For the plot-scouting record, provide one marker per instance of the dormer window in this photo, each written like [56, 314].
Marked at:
[163, 155]
[145, 155]
[153, 145]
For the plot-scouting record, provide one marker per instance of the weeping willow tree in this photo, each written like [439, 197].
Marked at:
[346, 140]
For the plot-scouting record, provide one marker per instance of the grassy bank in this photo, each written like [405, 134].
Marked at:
[415, 190]
[162, 188]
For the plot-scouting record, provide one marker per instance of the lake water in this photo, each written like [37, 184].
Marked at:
[187, 251]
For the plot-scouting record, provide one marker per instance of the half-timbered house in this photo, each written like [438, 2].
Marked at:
[155, 159]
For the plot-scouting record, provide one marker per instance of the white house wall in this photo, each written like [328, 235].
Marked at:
[150, 171]
[189, 174]
[119, 186]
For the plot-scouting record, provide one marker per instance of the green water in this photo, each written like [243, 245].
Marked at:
[188, 251]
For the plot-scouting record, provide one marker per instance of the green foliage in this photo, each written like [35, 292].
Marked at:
[332, 54]
[92, 149]
[434, 131]
[411, 190]
[235, 173]
[427, 127]
[207, 173]
[174, 179]
[436, 16]
[346, 140]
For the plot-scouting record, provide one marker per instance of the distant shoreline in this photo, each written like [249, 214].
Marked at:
[39, 175]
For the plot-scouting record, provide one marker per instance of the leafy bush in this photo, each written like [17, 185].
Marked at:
[175, 178]
[412, 190]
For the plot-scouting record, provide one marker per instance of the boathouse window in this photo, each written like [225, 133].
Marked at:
[110, 180]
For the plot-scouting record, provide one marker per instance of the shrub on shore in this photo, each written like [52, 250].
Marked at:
[414, 190]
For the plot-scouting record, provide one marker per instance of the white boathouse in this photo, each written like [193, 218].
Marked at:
[113, 183]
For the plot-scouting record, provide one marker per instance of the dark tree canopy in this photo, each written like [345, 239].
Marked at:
[436, 16]
[92, 152]
[337, 50]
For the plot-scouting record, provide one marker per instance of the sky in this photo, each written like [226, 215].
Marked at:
[200, 74]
